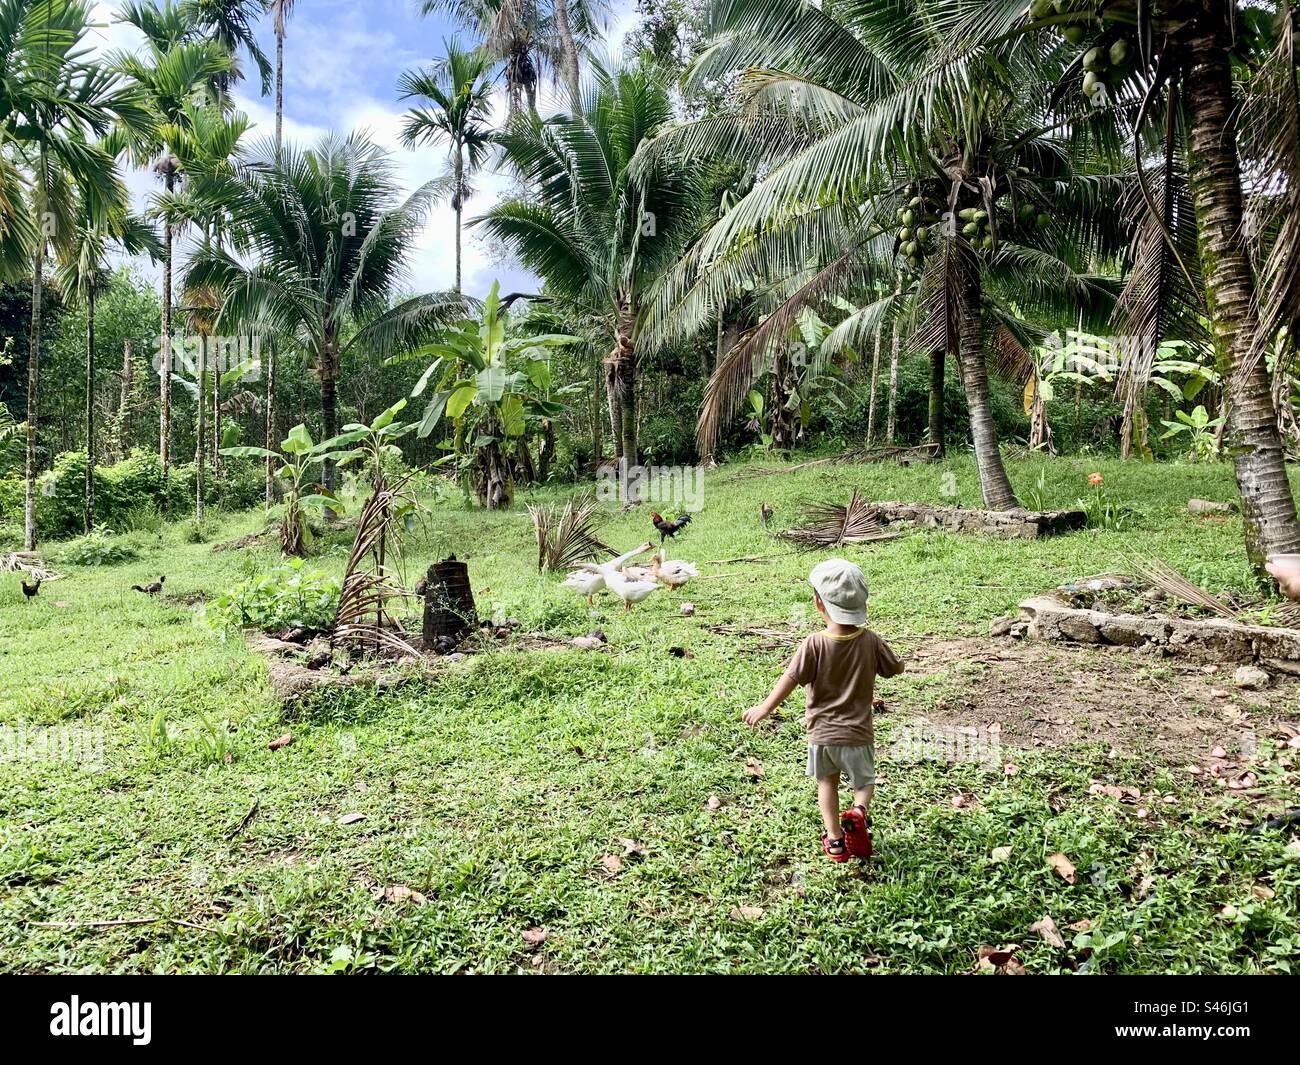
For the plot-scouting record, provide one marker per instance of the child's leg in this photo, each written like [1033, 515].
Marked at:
[863, 796]
[828, 799]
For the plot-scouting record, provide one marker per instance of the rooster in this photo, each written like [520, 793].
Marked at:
[669, 528]
[30, 591]
[150, 589]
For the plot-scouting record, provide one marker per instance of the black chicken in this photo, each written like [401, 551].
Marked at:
[31, 591]
[669, 529]
[150, 589]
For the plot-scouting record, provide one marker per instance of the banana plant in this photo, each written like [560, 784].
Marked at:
[1201, 430]
[489, 389]
[301, 458]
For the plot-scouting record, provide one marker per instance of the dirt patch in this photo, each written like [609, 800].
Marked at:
[1056, 697]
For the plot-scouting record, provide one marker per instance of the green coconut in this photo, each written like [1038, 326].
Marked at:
[1043, 221]
[970, 229]
[1027, 212]
[1094, 59]
[1074, 33]
[908, 218]
[922, 233]
[904, 235]
[1039, 8]
[911, 248]
[1090, 83]
[967, 214]
[1119, 52]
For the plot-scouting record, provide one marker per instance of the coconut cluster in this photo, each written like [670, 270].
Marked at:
[917, 222]
[1107, 52]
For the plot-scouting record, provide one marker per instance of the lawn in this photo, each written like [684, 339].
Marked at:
[562, 810]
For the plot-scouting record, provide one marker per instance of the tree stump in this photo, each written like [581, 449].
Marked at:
[449, 611]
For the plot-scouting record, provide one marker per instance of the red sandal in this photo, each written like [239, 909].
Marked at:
[834, 848]
[857, 832]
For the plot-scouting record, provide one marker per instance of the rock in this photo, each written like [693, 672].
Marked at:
[586, 643]
[456, 656]
[1219, 693]
[1205, 506]
[688, 610]
[1001, 626]
[1251, 678]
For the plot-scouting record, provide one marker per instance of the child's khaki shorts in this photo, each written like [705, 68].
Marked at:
[856, 763]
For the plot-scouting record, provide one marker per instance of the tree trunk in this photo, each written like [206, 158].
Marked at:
[271, 441]
[124, 399]
[624, 357]
[200, 430]
[459, 204]
[875, 377]
[279, 87]
[329, 401]
[217, 464]
[597, 416]
[90, 408]
[1214, 173]
[33, 387]
[935, 427]
[568, 53]
[995, 486]
[894, 341]
[613, 401]
[165, 373]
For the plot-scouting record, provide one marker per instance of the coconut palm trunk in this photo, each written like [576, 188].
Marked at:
[995, 486]
[1214, 173]
[875, 378]
[328, 370]
[568, 52]
[165, 372]
[200, 431]
[894, 341]
[458, 203]
[935, 428]
[623, 365]
[33, 407]
[90, 408]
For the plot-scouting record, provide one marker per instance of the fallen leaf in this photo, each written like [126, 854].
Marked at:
[612, 863]
[1015, 968]
[754, 768]
[714, 803]
[747, 913]
[631, 846]
[1218, 752]
[535, 937]
[1010, 769]
[871, 961]
[1001, 854]
[1143, 813]
[281, 741]
[1081, 926]
[1047, 930]
[402, 893]
[1064, 868]
[991, 957]
[1262, 892]
[1144, 886]
[351, 819]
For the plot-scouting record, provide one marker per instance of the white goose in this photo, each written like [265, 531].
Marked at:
[628, 590]
[674, 574]
[589, 578]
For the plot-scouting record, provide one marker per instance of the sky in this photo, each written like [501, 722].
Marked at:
[341, 63]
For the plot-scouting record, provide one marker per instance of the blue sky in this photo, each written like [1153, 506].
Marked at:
[342, 59]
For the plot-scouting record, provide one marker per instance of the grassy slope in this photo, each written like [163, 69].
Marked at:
[496, 791]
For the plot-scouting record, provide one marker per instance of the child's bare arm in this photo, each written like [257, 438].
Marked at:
[780, 693]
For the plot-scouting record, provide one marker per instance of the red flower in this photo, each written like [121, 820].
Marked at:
[1094, 479]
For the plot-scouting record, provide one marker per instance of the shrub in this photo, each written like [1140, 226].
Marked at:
[289, 597]
[99, 548]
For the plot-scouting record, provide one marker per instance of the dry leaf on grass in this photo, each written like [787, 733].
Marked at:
[1048, 932]
[351, 819]
[747, 913]
[714, 803]
[402, 893]
[754, 768]
[281, 741]
[1001, 854]
[1010, 769]
[631, 846]
[612, 863]
[535, 937]
[1081, 926]
[1064, 868]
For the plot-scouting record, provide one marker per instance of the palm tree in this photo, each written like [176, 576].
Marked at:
[1176, 76]
[83, 274]
[528, 40]
[174, 71]
[458, 111]
[872, 156]
[229, 24]
[337, 264]
[598, 235]
[53, 106]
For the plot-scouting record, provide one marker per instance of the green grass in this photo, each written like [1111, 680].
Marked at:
[496, 788]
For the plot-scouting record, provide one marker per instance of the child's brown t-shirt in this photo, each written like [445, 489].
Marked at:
[840, 673]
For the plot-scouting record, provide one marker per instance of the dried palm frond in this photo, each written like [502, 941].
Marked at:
[25, 562]
[568, 535]
[1160, 574]
[366, 584]
[832, 524]
[375, 636]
